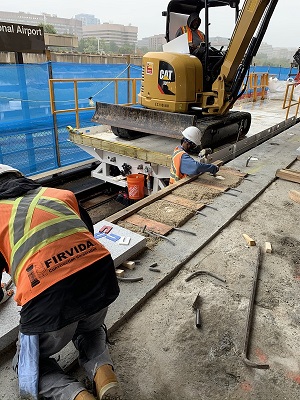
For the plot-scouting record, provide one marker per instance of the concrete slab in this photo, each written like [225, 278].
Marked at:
[110, 235]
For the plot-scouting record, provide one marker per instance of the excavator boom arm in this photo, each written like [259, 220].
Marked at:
[242, 47]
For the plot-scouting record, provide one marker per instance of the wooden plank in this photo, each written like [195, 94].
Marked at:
[121, 148]
[288, 175]
[294, 195]
[151, 225]
[184, 202]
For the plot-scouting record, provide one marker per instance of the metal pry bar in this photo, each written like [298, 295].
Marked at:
[250, 318]
[197, 273]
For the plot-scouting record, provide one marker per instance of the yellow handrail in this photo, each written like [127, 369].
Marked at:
[288, 98]
[77, 109]
[255, 87]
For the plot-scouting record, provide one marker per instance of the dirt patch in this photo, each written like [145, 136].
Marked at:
[151, 241]
[289, 247]
[167, 213]
[197, 193]
[231, 178]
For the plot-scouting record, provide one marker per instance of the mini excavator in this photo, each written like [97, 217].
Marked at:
[180, 90]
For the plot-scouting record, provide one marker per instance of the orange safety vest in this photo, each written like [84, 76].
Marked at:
[44, 240]
[187, 29]
[175, 174]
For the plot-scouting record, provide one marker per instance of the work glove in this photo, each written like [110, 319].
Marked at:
[214, 169]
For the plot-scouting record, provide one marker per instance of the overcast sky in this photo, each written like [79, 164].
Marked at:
[283, 30]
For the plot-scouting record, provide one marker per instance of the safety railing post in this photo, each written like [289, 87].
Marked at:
[54, 116]
[128, 77]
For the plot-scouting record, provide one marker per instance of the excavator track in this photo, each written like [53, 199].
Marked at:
[218, 130]
[133, 122]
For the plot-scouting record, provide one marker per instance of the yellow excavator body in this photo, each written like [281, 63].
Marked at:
[171, 81]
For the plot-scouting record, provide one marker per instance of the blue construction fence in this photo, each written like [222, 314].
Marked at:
[28, 139]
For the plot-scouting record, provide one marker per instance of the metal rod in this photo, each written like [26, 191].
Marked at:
[230, 194]
[250, 318]
[197, 273]
[236, 190]
[158, 235]
[213, 208]
[200, 213]
[185, 231]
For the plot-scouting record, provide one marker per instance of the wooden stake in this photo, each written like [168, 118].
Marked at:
[129, 264]
[295, 195]
[249, 240]
[268, 247]
[120, 273]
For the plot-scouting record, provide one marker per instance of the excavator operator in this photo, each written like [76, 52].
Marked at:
[196, 38]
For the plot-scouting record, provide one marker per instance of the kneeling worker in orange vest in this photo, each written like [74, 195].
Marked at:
[182, 163]
[65, 280]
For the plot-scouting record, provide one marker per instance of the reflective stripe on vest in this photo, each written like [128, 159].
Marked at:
[175, 174]
[187, 29]
[26, 241]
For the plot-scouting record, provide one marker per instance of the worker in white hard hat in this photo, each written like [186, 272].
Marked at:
[183, 164]
[65, 280]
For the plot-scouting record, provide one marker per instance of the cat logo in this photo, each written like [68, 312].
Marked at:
[165, 75]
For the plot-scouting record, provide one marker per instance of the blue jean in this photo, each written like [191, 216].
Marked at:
[89, 338]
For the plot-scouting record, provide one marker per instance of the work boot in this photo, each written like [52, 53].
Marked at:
[107, 385]
[84, 395]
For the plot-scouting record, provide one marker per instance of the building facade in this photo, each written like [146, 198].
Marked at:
[119, 34]
[69, 26]
[87, 19]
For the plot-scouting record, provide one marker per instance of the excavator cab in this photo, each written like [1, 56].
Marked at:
[175, 80]
[177, 14]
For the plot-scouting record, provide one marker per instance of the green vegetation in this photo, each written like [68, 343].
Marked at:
[262, 59]
[48, 28]
[93, 45]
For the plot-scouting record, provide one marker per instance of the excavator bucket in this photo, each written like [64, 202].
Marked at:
[142, 120]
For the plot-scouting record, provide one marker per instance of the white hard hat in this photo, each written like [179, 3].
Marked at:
[193, 134]
[7, 168]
